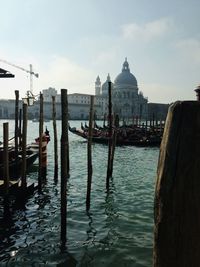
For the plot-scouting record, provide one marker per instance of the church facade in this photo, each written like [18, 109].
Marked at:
[128, 101]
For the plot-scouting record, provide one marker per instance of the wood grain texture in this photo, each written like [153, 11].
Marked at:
[177, 194]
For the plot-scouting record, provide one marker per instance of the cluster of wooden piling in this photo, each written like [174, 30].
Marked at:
[177, 197]
[20, 143]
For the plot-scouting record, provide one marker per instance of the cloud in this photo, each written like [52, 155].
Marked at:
[166, 93]
[146, 32]
[63, 73]
[189, 49]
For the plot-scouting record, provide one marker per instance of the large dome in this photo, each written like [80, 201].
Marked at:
[125, 77]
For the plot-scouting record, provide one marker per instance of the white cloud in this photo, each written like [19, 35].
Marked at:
[148, 31]
[189, 49]
[63, 73]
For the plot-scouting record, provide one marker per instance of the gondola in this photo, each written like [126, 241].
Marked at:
[102, 137]
[15, 165]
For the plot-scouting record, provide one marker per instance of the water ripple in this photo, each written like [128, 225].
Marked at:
[117, 231]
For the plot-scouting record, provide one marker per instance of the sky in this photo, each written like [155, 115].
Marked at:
[70, 43]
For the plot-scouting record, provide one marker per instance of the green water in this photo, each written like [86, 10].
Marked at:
[118, 230]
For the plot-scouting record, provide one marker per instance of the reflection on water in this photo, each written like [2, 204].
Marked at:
[118, 229]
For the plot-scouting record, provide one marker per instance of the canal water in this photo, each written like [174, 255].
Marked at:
[118, 230]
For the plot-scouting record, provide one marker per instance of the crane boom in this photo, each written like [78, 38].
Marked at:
[28, 71]
[16, 66]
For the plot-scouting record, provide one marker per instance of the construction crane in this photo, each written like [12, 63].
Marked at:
[30, 71]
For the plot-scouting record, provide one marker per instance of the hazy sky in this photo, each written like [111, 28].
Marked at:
[69, 43]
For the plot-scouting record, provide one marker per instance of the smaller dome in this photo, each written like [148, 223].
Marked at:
[105, 86]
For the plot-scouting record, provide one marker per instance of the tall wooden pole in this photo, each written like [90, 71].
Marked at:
[20, 127]
[110, 135]
[64, 165]
[177, 197]
[16, 127]
[114, 139]
[89, 153]
[24, 138]
[40, 173]
[5, 158]
[55, 139]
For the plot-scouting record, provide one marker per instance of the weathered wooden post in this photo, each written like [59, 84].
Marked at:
[16, 128]
[110, 136]
[24, 140]
[104, 120]
[89, 153]
[55, 139]
[5, 158]
[64, 165]
[20, 128]
[197, 90]
[40, 173]
[114, 139]
[177, 195]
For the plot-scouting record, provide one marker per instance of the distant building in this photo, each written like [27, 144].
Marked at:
[126, 98]
[128, 101]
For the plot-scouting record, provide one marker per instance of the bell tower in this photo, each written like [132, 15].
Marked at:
[98, 86]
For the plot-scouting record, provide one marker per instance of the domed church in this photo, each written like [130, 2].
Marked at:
[127, 101]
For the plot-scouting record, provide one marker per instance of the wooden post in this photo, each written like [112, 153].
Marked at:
[89, 153]
[110, 135]
[5, 158]
[114, 138]
[197, 90]
[40, 173]
[64, 165]
[24, 137]
[16, 129]
[104, 120]
[20, 128]
[55, 139]
[177, 195]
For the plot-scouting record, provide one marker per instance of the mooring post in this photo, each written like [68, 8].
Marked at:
[104, 120]
[40, 173]
[5, 157]
[197, 90]
[89, 153]
[24, 140]
[114, 139]
[20, 128]
[16, 128]
[55, 139]
[64, 165]
[177, 197]
[109, 134]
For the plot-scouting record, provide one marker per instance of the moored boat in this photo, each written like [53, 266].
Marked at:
[124, 137]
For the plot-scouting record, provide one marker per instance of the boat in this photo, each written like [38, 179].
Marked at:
[32, 153]
[124, 136]
[15, 188]
[15, 165]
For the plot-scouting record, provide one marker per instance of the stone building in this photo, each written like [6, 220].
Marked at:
[126, 98]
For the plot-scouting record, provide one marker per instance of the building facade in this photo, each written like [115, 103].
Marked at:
[127, 101]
